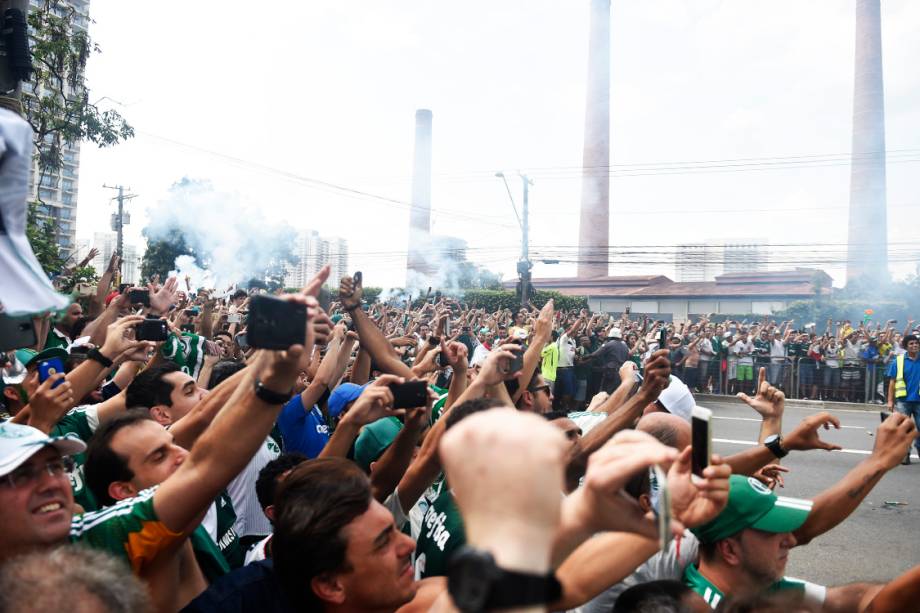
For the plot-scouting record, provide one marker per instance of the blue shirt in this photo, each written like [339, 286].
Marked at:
[911, 377]
[302, 430]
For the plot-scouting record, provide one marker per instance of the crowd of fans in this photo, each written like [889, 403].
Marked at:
[200, 473]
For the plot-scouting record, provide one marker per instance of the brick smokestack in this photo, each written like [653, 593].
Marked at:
[594, 226]
[420, 213]
[867, 245]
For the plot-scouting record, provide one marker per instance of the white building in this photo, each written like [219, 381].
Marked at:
[57, 189]
[746, 255]
[697, 262]
[131, 264]
[312, 252]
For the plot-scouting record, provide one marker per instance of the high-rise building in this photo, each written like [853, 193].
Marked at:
[312, 252]
[697, 262]
[131, 267]
[57, 189]
[105, 243]
[745, 256]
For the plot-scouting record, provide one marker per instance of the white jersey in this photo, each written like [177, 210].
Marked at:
[250, 519]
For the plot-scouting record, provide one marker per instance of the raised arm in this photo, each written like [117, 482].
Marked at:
[372, 338]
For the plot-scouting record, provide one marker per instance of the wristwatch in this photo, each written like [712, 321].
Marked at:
[96, 355]
[774, 443]
[476, 584]
[271, 396]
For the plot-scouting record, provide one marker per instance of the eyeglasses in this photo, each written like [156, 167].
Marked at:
[26, 475]
[539, 388]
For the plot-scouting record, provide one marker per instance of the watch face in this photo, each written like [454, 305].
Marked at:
[771, 439]
[471, 575]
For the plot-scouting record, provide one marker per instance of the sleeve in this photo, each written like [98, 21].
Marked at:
[892, 369]
[291, 419]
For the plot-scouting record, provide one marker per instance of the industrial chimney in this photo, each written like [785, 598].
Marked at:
[867, 245]
[594, 226]
[420, 214]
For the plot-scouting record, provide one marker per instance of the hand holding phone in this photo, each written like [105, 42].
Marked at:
[139, 296]
[701, 440]
[49, 367]
[152, 329]
[409, 395]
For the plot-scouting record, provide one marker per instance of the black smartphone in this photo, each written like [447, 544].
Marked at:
[139, 296]
[324, 299]
[16, 332]
[663, 338]
[701, 439]
[409, 395]
[442, 360]
[357, 278]
[275, 324]
[187, 328]
[152, 329]
[517, 362]
[884, 415]
[122, 287]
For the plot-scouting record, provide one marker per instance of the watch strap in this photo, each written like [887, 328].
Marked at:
[514, 589]
[95, 355]
[271, 396]
[775, 445]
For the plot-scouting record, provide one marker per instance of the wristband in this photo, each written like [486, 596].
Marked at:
[96, 355]
[271, 396]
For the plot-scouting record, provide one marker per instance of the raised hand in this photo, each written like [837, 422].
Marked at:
[375, 401]
[350, 293]
[697, 501]
[657, 375]
[543, 326]
[495, 369]
[120, 341]
[805, 436]
[48, 405]
[164, 297]
[892, 438]
[771, 475]
[769, 401]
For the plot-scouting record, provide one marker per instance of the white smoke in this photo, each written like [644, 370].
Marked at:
[442, 263]
[233, 240]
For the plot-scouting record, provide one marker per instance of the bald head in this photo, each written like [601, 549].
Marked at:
[671, 430]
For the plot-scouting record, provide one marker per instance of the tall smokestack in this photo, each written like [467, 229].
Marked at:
[867, 247]
[420, 214]
[594, 227]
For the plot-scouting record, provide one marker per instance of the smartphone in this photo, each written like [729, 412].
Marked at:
[242, 341]
[139, 296]
[16, 332]
[187, 328]
[324, 299]
[884, 415]
[276, 324]
[357, 278]
[701, 439]
[663, 511]
[49, 367]
[442, 360]
[663, 338]
[517, 362]
[234, 318]
[409, 395]
[152, 329]
[122, 287]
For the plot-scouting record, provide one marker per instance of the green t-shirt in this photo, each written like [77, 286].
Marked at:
[438, 407]
[218, 558]
[81, 422]
[813, 593]
[56, 338]
[441, 534]
[187, 351]
[129, 530]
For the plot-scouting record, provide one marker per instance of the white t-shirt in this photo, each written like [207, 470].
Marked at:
[566, 352]
[250, 519]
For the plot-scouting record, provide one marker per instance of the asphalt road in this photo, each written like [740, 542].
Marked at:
[877, 541]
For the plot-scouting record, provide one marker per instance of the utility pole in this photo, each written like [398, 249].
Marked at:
[524, 265]
[120, 220]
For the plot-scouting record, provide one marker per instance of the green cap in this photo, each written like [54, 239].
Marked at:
[28, 357]
[374, 440]
[751, 504]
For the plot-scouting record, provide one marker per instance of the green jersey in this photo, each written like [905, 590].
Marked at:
[693, 579]
[187, 351]
[56, 338]
[441, 534]
[215, 542]
[129, 530]
[438, 407]
[81, 422]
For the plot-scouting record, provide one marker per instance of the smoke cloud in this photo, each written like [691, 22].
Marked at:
[233, 240]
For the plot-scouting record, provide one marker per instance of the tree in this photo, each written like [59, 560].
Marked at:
[42, 236]
[161, 255]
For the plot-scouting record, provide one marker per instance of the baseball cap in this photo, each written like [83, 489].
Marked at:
[677, 399]
[28, 357]
[374, 440]
[342, 395]
[751, 504]
[614, 333]
[19, 442]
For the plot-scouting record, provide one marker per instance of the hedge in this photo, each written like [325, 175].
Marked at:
[493, 300]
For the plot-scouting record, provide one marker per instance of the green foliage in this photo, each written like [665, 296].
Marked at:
[84, 274]
[161, 255]
[371, 294]
[42, 237]
[58, 107]
[494, 300]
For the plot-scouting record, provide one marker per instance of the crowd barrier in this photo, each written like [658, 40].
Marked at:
[860, 381]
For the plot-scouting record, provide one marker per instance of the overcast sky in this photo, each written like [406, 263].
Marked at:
[261, 98]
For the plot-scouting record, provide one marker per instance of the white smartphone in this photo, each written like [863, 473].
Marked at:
[701, 439]
[664, 508]
[234, 318]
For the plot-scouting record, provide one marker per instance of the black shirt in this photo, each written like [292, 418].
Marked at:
[254, 587]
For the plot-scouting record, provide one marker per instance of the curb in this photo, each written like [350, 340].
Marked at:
[813, 405]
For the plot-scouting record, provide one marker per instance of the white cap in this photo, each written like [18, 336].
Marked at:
[614, 333]
[18, 443]
[677, 399]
